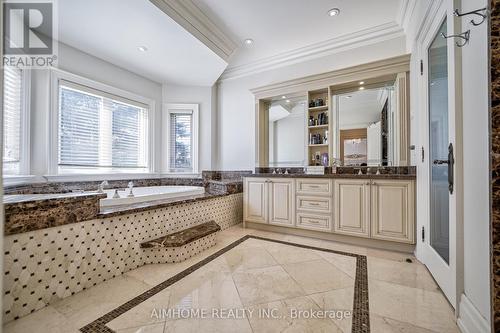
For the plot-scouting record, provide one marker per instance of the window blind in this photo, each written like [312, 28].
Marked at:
[99, 130]
[13, 92]
[181, 142]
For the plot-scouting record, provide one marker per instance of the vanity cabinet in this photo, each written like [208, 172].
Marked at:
[352, 207]
[392, 210]
[255, 200]
[269, 201]
[377, 209]
[382, 209]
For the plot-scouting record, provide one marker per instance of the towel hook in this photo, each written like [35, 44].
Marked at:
[483, 12]
[464, 35]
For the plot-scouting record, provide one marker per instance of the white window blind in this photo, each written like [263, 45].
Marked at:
[13, 104]
[181, 142]
[101, 131]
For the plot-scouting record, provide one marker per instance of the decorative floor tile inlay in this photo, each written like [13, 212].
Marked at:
[257, 284]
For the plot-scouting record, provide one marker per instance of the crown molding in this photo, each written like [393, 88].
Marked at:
[377, 69]
[346, 42]
[191, 18]
[405, 13]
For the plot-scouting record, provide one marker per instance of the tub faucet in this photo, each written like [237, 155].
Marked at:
[130, 187]
[100, 188]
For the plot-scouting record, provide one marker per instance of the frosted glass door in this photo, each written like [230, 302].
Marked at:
[439, 141]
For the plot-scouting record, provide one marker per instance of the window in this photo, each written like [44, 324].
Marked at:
[15, 115]
[100, 132]
[182, 124]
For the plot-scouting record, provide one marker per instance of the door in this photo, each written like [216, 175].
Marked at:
[281, 206]
[255, 200]
[392, 210]
[439, 241]
[352, 210]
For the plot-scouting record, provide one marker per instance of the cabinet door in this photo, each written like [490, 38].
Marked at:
[281, 204]
[255, 200]
[352, 207]
[392, 210]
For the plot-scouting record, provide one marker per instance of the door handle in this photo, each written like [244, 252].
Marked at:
[451, 163]
[439, 162]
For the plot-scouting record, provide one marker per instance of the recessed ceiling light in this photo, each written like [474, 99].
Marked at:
[249, 41]
[362, 82]
[334, 12]
[361, 88]
[142, 48]
[283, 97]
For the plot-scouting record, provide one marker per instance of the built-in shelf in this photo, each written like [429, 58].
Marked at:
[318, 126]
[319, 108]
[319, 145]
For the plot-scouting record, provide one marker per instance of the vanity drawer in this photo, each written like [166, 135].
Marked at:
[313, 221]
[314, 204]
[314, 186]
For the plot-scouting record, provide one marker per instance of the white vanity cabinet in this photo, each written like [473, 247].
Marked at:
[381, 209]
[269, 200]
[393, 210]
[352, 207]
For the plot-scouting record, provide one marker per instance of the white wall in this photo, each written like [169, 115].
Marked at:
[236, 110]
[205, 97]
[476, 162]
[88, 66]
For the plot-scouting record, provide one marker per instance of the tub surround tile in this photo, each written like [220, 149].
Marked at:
[41, 209]
[44, 266]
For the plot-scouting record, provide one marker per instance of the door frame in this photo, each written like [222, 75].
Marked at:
[449, 277]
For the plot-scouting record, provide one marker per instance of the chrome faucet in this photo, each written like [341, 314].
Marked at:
[130, 187]
[100, 188]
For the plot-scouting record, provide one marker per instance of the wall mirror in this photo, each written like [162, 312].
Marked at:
[366, 126]
[358, 116]
[286, 131]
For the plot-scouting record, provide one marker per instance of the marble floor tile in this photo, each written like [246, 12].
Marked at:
[208, 326]
[346, 264]
[413, 275]
[379, 324]
[155, 328]
[241, 259]
[318, 275]
[146, 316]
[46, 320]
[418, 307]
[289, 315]
[88, 305]
[390, 255]
[287, 254]
[337, 300]
[264, 285]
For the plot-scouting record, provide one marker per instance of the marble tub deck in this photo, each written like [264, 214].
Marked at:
[257, 274]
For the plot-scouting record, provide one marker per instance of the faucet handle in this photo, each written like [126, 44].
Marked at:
[130, 184]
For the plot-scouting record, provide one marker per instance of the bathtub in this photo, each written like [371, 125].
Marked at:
[151, 193]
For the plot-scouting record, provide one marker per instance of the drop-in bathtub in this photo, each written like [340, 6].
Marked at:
[149, 193]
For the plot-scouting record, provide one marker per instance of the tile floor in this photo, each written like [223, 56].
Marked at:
[261, 277]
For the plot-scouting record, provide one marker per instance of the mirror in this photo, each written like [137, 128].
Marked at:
[287, 131]
[366, 127]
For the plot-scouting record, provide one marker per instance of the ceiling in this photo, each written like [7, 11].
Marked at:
[281, 26]
[114, 29]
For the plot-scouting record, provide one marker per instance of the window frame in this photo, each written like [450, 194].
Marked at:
[181, 108]
[56, 76]
[24, 139]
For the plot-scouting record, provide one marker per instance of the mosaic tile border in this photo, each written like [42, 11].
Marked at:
[360, 316]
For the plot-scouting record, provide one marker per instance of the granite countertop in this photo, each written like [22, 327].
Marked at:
[56, 197]
[335, 175]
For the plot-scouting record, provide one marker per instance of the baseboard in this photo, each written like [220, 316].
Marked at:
[469, 319]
